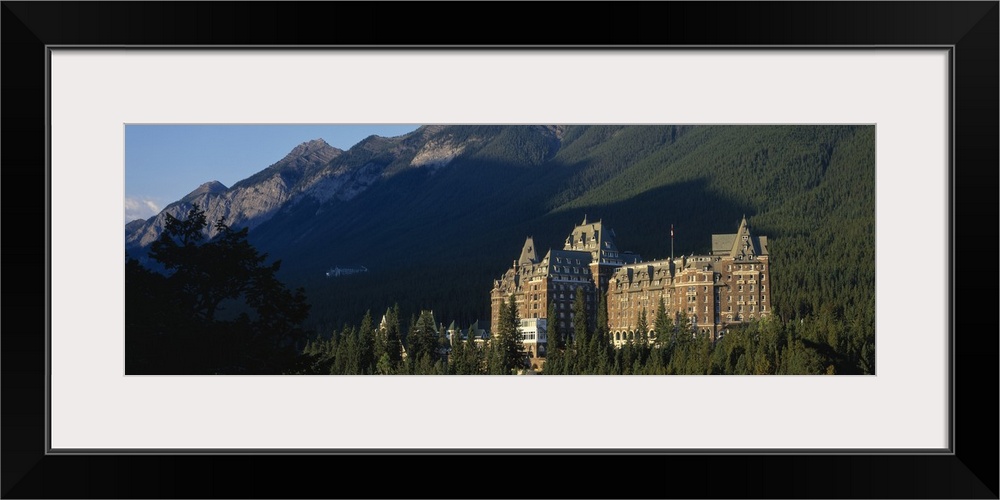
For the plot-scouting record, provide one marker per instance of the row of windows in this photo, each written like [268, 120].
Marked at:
[751, 298]
[752, 308]
[627, 336]
[749, 267]
[751, 276]
[740, 317]
[558, 287]
[562, 277]
[693, 277]
[571, 270]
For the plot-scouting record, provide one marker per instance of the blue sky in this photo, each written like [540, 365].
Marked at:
[165, 162]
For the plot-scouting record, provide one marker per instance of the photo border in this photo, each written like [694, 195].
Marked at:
[29, 30]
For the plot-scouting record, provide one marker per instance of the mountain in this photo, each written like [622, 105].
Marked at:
[249, 202]
[436, 215]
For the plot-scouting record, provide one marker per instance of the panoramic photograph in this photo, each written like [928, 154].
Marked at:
[499, 249]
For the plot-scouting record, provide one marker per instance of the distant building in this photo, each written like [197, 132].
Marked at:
[728, 286]
[337, 271]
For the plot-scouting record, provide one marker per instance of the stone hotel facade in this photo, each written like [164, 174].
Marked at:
[727, 286]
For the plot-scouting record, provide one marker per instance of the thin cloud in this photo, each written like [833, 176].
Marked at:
[139, 208]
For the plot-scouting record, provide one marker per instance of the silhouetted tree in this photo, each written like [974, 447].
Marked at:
[226, 310]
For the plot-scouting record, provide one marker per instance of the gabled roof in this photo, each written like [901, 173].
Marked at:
[744, 245]
[591, 237]
[528, 255]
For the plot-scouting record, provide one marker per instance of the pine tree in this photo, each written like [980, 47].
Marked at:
[642, 328]
[601, 327]
[384, 366]
[662, 325]
[603, 350]
[554, 335]
[582, 345]
[473, 353]
[410, 361]
[366, 344]
[393, 345]
[553, 345]
[683, 330]
[422, 340]
[339, 361]
[352, 354]
[581, 330]
[506, 347]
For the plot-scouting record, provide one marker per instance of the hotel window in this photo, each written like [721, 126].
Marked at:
[762, 287]
[741, 288]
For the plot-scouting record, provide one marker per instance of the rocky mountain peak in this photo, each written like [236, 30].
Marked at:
[210, 187]
[316, 149]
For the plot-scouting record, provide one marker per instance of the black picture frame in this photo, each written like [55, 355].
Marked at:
[970, 28]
